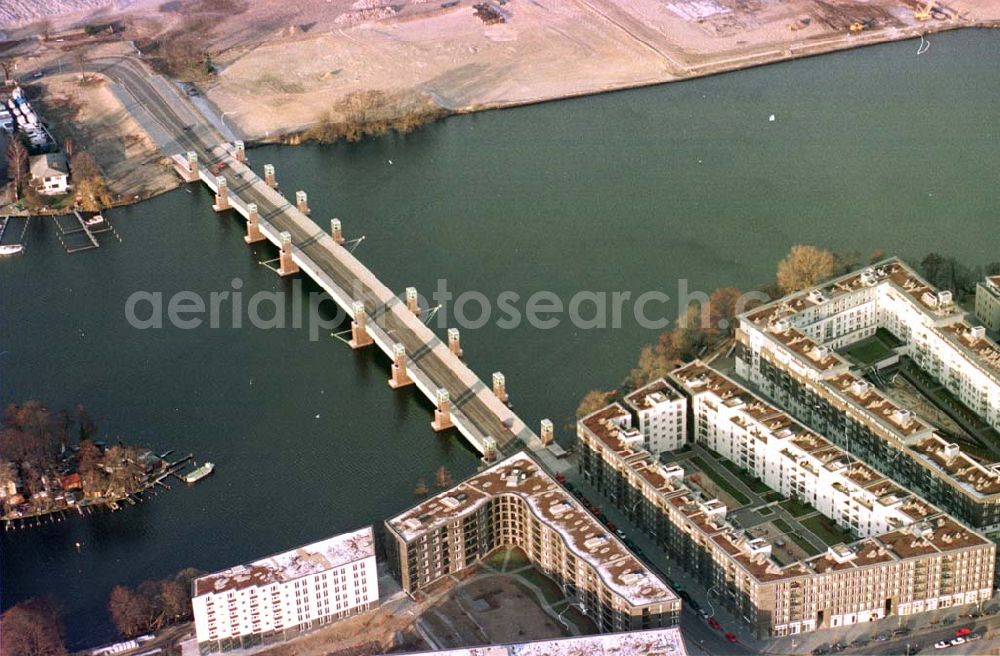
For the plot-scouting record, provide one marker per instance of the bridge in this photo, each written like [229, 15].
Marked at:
[379, 316]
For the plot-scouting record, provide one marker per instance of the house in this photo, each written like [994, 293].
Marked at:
[50, 174]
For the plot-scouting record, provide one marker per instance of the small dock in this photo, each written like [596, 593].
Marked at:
[76, 235]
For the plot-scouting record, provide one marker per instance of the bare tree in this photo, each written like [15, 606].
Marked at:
[80, 57]
[9, 65]
[32, 628]
[443, 478]
[805, 266]
[17, 163]
[45, 29]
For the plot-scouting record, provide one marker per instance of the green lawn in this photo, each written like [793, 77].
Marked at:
[720, 480]
[872, 349]
[550, 590]
[756, 485]
[827, 530]
[804, 544]
[796, 508]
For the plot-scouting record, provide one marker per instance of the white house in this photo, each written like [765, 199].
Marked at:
[50, 174]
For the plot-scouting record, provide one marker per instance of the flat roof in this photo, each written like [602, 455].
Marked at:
[657, 391]
[939, 531]
[655, 642]
[519, 475]
[290, 565]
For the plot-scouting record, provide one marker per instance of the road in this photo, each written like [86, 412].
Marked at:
[192, 132]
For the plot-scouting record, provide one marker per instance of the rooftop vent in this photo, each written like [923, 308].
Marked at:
[951, 451]
[977, 332]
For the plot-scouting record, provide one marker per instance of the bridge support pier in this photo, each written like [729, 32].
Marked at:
[302, 202]
[286, 266]
[192, 166]
[254, 234]
[454, 342]
[399, 376]
[336, 231]
[490, 451]
[359, 334]
[547, 435]
[442, 414]
[269, 178]
[240, 152]
[222, 195]
[413, 301]
[500, 387]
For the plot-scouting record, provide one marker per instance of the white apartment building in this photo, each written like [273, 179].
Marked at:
[791, 459]
[277, 597]
[988, 302]
[802, 330]
[662, 414]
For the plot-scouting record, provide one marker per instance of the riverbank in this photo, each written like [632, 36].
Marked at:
[290, 74]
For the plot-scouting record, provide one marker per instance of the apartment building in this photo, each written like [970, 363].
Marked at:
[278, 597]
[988, 302]
[656, 642]
[787, 348]
[515, 503]
[908, 557]
[662, 416]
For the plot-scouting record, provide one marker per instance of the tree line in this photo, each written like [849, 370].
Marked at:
[703, 327]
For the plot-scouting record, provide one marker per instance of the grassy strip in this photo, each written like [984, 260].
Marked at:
[804, 544]
[796, 508]
[719, 480]
[825, 529]
[756, 485]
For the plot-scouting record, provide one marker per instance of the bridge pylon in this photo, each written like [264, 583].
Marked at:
[413, 301]
[286, 265]
[400, 378]
[254, 234]
[240, 152]
[455, 342]
[269, 178]
[547, 434]
[442, 414]
[302, 202]
[192, 166]
[221, 195]
[500, 387]
[490, 451]
[336, 231]
[359, 333]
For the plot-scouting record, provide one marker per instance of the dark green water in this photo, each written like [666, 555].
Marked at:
[633, 191]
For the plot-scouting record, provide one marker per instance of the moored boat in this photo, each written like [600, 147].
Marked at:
[199, 473]
[11, 249]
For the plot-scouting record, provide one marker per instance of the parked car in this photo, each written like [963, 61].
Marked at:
[942, 644]
[903, 630]
[714, 623]
[882, 637]
[962, 632]
[860, 642]
[957, 641]
[620, 533]
[822, 650]
[704, 613]
[731, 637]
[38, 74]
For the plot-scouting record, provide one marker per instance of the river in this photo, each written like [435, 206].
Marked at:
[631, 191]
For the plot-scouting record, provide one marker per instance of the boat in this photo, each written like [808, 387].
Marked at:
[95, 220]
[11, 249]
[199, 473]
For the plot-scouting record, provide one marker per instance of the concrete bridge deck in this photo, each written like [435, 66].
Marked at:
[476, 411]
[176, 126]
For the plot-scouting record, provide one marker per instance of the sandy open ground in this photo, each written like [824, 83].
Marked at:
[284, 66]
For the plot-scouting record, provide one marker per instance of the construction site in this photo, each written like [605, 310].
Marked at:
[279, 69]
